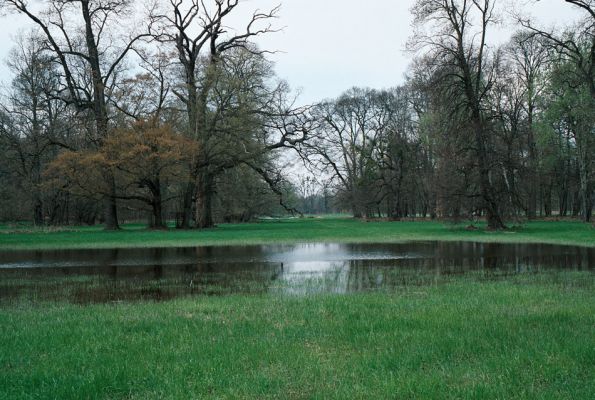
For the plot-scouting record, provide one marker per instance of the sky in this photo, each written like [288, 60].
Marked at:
[327, 46]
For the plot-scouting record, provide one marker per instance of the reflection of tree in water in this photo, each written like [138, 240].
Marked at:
[157, 258]
[363, 276]
[234, 269]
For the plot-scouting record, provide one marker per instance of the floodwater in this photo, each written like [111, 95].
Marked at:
[111, 275]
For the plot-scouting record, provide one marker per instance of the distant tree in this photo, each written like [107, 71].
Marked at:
[346, 146]
[422, 98]
[242, 195]
[399, 156]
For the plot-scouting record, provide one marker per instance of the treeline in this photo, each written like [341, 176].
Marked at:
[504, 133]
[173, 115]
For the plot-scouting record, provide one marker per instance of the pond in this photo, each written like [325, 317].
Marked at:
[111, 275]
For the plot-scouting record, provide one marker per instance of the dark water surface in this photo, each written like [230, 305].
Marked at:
[88, 276]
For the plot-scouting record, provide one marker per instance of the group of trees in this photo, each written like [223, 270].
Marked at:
[88, 134]
[174, 114]
[476, 130]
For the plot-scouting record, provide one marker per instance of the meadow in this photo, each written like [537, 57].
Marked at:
[465, 339]
[523, 336]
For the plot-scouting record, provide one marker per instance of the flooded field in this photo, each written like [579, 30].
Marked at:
[88, 276]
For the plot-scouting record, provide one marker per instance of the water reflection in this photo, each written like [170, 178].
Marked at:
[164, 273]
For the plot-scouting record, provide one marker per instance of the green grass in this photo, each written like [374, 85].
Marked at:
[291, 231]
[465, 339]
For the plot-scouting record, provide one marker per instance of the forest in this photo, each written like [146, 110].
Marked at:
[165, 114]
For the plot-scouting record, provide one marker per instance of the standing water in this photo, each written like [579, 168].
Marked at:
[86, 276]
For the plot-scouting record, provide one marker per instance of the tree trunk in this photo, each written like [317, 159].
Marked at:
[36, 169]
[356, 211]
[111, 214]
[100, 112]
[157, 206]
[187, 202]
[110, 204]
[547, 200]
[583, 166]
[204, 202]
[563, 201]
[157, 222]
[490, 204]
[584, 189]
[355, 204]
[36, 193]
[576, 203]
[38, 211]
[533, 176]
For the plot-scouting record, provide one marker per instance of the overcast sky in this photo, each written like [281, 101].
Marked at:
[328, 46]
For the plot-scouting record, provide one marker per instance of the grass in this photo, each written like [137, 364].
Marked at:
[522, 339]
[291, 231]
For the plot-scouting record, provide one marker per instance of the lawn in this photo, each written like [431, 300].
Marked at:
[463, 339]
[291, 231]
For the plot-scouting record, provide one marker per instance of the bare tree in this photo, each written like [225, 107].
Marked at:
[457, 37]
[586, 5]
[347, 144]
[528, 59]
[197, 31]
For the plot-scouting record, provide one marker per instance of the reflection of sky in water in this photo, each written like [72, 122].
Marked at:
[313, 277]
[338, 252]
[312, 267]
[332, 277]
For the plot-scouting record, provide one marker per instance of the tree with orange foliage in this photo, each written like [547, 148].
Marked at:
[145, 159]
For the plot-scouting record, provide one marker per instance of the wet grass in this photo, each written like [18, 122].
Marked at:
[522, 338]
[292, 231]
